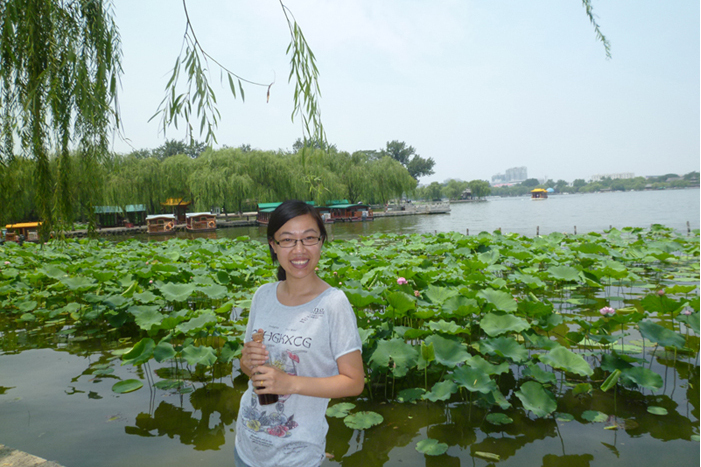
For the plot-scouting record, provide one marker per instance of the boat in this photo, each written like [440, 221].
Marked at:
[25, 231]
[350, 212]
[200, 222]
[160, 224]
[539, 194]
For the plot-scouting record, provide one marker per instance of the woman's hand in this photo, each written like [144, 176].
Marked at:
[270, 380]
[253, 355]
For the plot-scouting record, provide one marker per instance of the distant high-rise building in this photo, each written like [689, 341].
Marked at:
[512, 176]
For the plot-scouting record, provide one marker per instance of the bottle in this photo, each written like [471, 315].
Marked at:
[264, 399]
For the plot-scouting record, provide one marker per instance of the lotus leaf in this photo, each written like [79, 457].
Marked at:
[661, 335]
[431, 447]
[340, 410]
[428, 353]
[441, 391]
[401, 303]
[479, 363]
[52, 271]
[538, 374]
[611, 380]
[163, 351]
[360, 298]
[363, 420]
[402, 355]
[565, 273]
[145, 297]
[411, 394]
[140, 353]
[497, 398]
[202, 355]
[657, 410]
[660, 304]
[564, 359]
[594, 416]
[496, 418]
[116, 301]
[506, 347]
[691, 320]
[501, 300]
[536, 399]
[78, 283]
[643, 377]
[128, 385]
[495, 324]
[449, 352]
[176, 292]
[447, 327]
[564, 417]
[439, 295]
[473, 380]
[214, 291]
[460, 305]
[169, 384]
[197, 324]
[487, 455]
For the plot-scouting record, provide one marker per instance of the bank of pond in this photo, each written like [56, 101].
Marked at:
[474, 346]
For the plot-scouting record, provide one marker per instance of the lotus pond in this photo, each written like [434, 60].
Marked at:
[559, 350]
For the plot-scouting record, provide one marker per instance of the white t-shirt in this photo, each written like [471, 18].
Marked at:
[304, 340]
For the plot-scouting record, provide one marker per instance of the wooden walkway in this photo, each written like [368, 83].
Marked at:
[13, 458]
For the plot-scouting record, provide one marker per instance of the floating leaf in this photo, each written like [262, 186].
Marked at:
[410, 395]
[594, 416]
[655, 410]
[363, 420]
[340, 410]
[487, 455]
[496, 418]
[431, 447]
[128, 385]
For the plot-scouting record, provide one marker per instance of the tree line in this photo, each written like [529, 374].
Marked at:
[690, 179]
[234, 179]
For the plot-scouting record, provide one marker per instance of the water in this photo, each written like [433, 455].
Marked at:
[595, 212]
[61, 410]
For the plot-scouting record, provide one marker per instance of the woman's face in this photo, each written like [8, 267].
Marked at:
[299, 261]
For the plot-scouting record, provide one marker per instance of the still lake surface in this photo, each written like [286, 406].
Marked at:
[594, 212]
[54, 405]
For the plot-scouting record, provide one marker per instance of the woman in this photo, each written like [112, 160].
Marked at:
[310, 347]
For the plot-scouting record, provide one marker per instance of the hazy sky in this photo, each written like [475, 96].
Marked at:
[479, 86]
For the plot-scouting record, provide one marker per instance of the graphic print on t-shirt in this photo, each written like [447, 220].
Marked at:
[271, 419]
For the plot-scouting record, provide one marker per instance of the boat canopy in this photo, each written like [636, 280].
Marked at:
[160, 216]
[23, 225]
[196, 214]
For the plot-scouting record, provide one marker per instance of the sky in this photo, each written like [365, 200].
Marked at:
[479, 86]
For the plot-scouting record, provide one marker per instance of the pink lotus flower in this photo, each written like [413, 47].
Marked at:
[417, 293]
[151, 281]
[660, 292]
[686, 312]
[401, 281]
[7, 263]
[607, 311]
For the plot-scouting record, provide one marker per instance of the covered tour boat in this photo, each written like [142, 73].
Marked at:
[25, 231]
[160, 224]
[200, 222]
[538, 194]
[348, 212]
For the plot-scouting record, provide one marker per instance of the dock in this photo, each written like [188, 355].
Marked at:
[13, 458]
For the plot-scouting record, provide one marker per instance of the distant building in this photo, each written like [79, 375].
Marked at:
[599, 177]
[512, 176]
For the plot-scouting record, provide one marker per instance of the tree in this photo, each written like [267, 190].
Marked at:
[531, 182]
[454, 189]
[578, 184]
[59, 68]
[480, 188]
[433, 191]
[406, 155]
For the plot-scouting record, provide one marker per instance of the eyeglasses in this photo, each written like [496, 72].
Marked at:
[292, 242]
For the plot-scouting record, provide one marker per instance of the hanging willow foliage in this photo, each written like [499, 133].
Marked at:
[59, 68]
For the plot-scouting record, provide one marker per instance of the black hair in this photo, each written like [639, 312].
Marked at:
[281, 215]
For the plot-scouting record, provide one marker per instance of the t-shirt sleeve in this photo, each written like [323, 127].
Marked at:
[343, 326]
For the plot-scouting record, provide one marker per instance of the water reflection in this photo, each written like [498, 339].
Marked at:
[217, 404]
